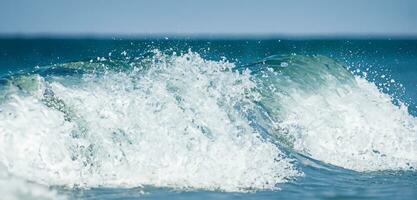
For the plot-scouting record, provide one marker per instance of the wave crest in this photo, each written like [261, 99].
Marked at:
[171, 121]
[325, 112]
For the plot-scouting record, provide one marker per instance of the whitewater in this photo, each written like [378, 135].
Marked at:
[167, 121]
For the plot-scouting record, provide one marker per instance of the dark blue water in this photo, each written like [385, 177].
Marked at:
[208, 119]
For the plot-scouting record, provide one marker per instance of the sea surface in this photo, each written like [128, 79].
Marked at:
[195, 118]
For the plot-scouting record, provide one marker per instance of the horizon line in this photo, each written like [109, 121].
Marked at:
[206, 36]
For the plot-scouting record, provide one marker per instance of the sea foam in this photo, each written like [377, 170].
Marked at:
[330, 115]
[172, 121]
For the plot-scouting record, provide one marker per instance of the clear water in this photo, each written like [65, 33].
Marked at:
[208, 119]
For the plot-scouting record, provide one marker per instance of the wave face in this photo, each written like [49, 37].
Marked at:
[182, 121]
[168, 121]
[322, 111]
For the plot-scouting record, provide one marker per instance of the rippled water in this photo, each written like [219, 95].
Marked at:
[193, 119]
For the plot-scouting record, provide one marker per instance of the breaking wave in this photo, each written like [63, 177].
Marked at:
[182, 121]
[168, 121]
[322, 111]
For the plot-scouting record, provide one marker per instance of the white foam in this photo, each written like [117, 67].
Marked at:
[12, 188]
[352, 126]
[174, 125]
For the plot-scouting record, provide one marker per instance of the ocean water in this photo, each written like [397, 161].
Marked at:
[187, 118]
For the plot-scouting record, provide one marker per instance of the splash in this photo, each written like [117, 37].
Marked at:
[12, 188]
[185, 122]
[319, 109]
[169, 121]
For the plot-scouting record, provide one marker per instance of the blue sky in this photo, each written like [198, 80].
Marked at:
[288, 17]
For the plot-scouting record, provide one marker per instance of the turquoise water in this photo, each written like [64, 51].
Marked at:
[208, 119]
